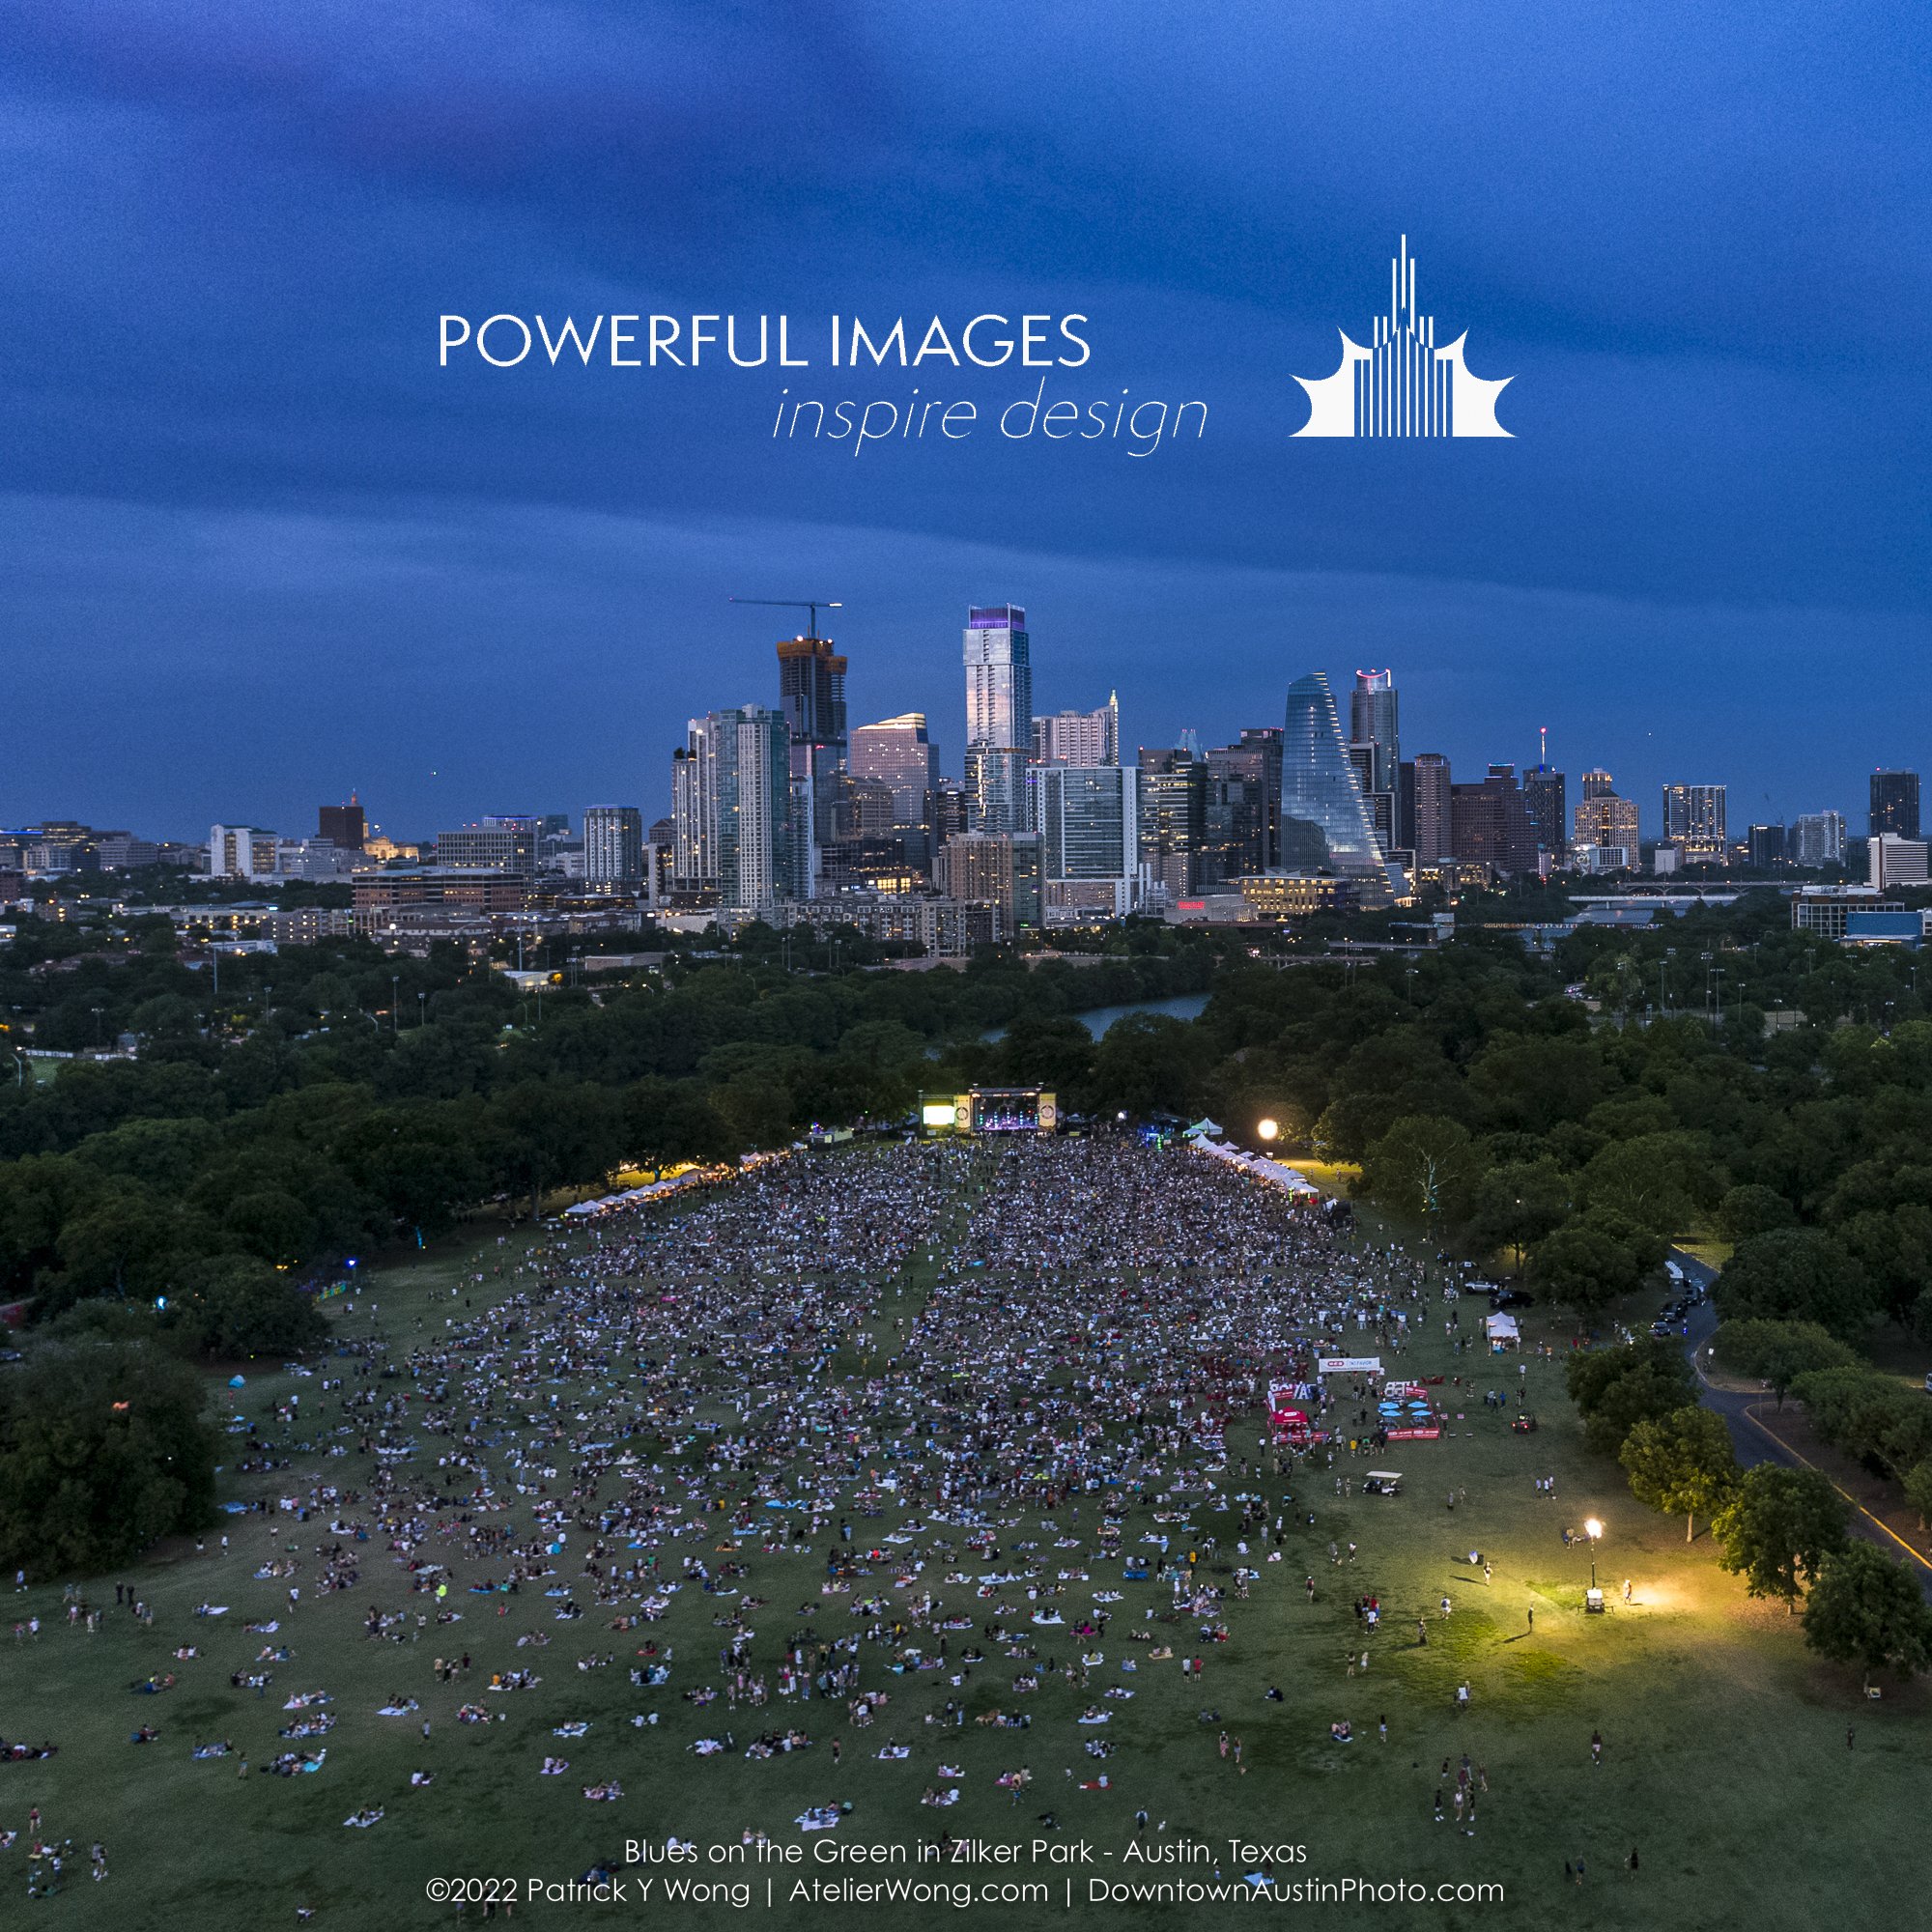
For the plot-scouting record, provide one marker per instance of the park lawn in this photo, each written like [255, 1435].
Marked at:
[1727, 1763]
[1331, 1177]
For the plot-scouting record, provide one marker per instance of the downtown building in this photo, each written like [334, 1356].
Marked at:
[998, 658]
[1326, 822]
[1374, 748]
[1493, 825]
[1242, 814]
[1694, 822]
[737, 820]
[811, 701]
[1817, 840]
[1172, 808]
[1079, 737]
[1089, 840]
[1894, 804]
[898, 754]
[614, 849]
[1604, 826]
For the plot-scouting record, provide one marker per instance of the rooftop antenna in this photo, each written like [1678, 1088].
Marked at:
[1543, 733]
[810, 603]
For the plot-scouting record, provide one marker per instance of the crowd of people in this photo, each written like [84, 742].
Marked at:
[975, 1395]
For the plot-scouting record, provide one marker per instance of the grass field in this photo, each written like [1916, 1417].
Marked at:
[1726, 1763]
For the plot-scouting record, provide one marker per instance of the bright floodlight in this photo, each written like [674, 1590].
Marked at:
[1593, 1529]
[1267, 1129]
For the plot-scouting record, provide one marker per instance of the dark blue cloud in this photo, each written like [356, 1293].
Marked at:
[232, 230]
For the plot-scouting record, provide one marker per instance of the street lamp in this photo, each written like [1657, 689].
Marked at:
[1593, 1529]
[1267, 1129]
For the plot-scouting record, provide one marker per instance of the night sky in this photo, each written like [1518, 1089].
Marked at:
[260, 548]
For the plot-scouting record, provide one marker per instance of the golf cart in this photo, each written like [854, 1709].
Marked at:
[1382, 1483]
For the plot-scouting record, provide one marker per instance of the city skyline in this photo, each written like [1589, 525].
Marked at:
[649, 788]
[269, 549]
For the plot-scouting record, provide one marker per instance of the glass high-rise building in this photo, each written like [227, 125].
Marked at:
[733, 790]
[1089, 827]
[1326, 825]
[1545, 789]
[897, 753]
[1894, 804]
[1241, 831]
[1172, 812]
[693, 808]
[999, 677]
[1372, 720]
[996, 789]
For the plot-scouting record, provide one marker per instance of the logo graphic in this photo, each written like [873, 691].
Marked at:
[1403, 384]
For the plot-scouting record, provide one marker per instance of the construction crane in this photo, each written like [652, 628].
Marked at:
[811, 604]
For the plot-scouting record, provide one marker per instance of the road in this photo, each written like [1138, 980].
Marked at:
[1755, 1444]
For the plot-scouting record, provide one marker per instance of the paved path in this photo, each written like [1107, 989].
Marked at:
[1755, 1440]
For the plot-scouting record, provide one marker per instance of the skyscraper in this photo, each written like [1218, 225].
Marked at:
[1894, 804]
[1431, 805]
[1172, 812]
[996, 788]
[1372, 720]
[1325, 820]
[1694, 817]
[998, 869]
[1544, 787]
[811, 699]
[694, 809]
[613, 846]
[343, 825]
[1818, 838]
[1607, 823]
[1079, 737]
[756, 815]
[1088, 824]
[999, 677]
[896, 752]
[1241, 831]
[1491, 823]
[999, 718]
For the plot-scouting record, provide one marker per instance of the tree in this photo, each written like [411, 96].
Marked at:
[1746, 1211]
[238, 1306]
[1796, 1274]
[1885, 1423]
[1778, 1526]
[1147, 1064]
[1583, 1268]
[1647, 1179]
[1780, 1352]
[1865, 1609]
[1422, 1167]
[1617, 1388]
[102, 1452]
[1919, 1491]
[1519, 1203]
[1681, 1463]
